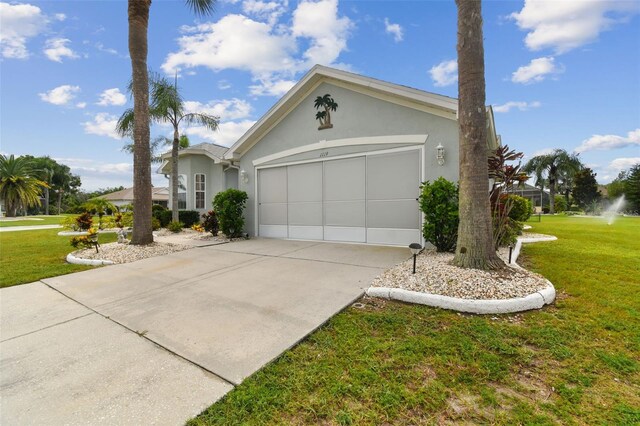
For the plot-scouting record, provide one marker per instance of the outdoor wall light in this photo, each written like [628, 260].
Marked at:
[415, 249]
[244, 176]
[440, 154]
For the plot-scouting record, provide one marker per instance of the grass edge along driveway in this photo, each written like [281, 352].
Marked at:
[575, 362]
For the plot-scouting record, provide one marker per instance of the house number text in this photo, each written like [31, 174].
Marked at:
[324, 154]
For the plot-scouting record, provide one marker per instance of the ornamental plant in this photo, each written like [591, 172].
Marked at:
[84, 221]
[229, 206]
[439, 203]
[210, 222]
[175, 226]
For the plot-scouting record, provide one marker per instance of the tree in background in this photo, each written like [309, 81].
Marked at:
[138, 17]
[474, 248]
[632, 189]
[19, 187]
[585, 189]
[553, 166]
[615, 189]
[58, 177]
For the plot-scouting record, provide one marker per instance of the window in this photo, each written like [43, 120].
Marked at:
[200, 190]
[182, 192]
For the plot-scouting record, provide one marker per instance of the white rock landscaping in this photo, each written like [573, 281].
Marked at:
[113, 253]
[438, 283]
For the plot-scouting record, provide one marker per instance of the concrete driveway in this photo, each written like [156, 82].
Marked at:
[158, 340]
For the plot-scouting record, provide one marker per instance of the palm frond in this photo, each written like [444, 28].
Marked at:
[201, 7]
[124, 126]
[208, 121]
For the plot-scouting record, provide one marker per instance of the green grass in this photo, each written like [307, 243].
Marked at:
[576, 362]
[28, 256]
[46, 220]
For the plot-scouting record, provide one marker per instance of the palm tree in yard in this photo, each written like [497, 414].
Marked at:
[167, 105]
[138, 15]
[18, 186]
[475, 247]
[556, 166]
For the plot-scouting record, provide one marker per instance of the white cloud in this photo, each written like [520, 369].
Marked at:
[96, 174]
[271, 87]
[328, 33]
[19, 22]
[625, 163]
[223, 45]
[394, 29]
[112, 97]
[566, 25]
[81, 105]
[101, 47]
[60, 17]
[226, 109]
[537, 70]
[60, 95]
[227, 134]
[270, 11]
[521, 105]
[274, 58]
[56, 48]
[445, 73]
[609, 142]
[224, 85]
[103, 124]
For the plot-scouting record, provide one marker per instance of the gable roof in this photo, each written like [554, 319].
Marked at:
[159, 193]
[213, 151]
[407, 96]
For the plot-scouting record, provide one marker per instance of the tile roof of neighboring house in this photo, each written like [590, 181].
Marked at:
[213, 149]
[159, 193]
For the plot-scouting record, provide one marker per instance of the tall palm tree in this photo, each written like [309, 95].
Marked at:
[475, 247]
[553, 166]
[18, 186]
[167, 105]
[138, 16]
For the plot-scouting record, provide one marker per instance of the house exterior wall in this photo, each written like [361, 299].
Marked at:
[190, 165]
[357, 116]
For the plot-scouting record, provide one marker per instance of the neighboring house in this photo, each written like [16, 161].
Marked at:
[354, 179]
[159, 195]
[534, 194]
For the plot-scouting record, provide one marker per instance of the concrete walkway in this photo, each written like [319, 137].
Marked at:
[158, 340]
[28, 228]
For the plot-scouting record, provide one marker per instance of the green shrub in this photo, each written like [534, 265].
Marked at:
[189, 217]
[510, 231]
[210, 222]
[108, 222]
[560, 203]
[84, 221]
[229, 206]
[69, 222]
[521, 208]
[157, 211]
[575, 208]
[127, 220]
[439, 203]
[155, 224]
[175, 226]
[164, 217]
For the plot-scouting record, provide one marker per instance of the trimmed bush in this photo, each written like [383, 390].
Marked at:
[229, 206]
[164, 217]
[560, 203]
[521, 208]
[439, 203]
[189, 217]
[155, 224]
[175, 226]
[210, 222]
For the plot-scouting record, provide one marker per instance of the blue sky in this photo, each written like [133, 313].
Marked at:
[561, 74]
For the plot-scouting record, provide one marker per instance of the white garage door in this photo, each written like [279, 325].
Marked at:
[367, 199]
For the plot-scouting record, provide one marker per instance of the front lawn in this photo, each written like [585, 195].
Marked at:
[576, 362]
[45, 220]
[27, 256]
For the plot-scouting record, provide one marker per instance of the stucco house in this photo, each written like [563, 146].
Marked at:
[159, 195]
[354, 177]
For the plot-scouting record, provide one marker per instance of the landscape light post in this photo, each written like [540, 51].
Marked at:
[415, 249]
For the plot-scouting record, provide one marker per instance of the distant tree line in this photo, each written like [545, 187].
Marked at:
[628, 184]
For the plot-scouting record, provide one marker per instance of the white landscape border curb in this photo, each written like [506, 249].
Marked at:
[91, 262]
[475, 306]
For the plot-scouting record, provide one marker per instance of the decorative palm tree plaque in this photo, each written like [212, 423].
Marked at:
[325, 104]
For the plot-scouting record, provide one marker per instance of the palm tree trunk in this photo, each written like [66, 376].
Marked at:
[60, 191]
[46, 201]
[174, 175]
[475, 248]
[552, 195]
[138, 12]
